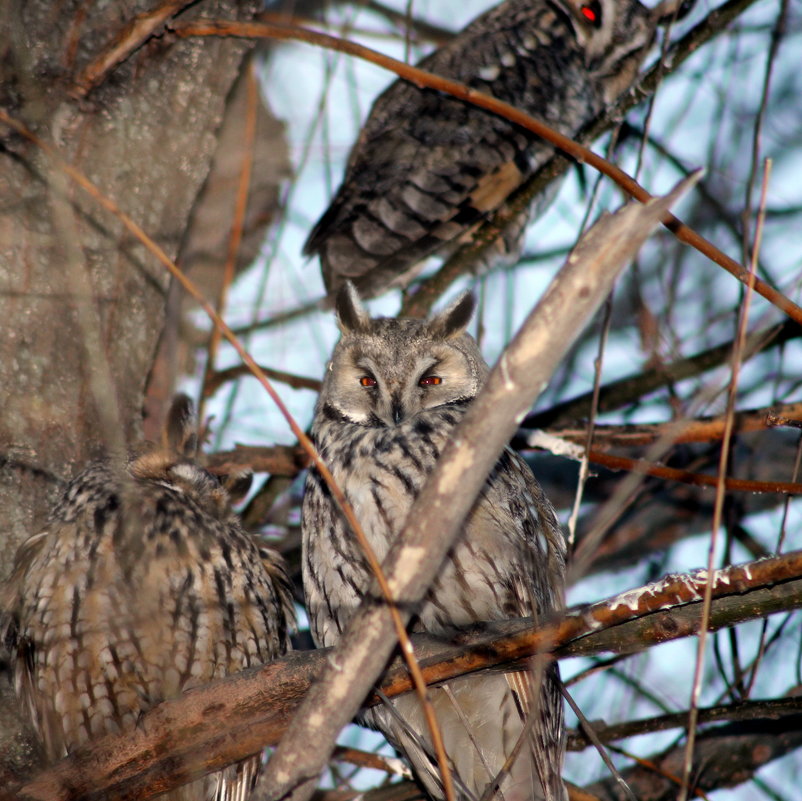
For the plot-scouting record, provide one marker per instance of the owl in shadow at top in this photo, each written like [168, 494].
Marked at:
[393, 393]
[428, 168]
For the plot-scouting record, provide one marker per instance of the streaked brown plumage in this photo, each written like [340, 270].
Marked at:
[142, 584]
[393, 392]
[427, 168]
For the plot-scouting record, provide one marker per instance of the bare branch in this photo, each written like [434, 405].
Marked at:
[723, 757]
[278, 460]
[213, 726]
[773, 709]
[700, 429]
[128, 39]
[220, 377]
[627, 390]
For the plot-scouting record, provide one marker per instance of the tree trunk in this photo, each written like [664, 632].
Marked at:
[81, 301]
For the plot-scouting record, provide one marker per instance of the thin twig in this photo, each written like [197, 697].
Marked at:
[720, 493]
[132, 36]
[584, 464]
[777, 34]
[588, 728]
[688, 477]
[220, 377]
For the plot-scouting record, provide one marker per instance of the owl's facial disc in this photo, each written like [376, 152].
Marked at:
[381, 386]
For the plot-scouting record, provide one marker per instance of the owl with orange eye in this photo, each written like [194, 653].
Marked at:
[391, 398]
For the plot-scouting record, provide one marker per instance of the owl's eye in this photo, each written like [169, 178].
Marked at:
[592, 13]
[430, 381]
[368, 381]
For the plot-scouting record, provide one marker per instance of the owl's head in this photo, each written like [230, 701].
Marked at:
[175, 463]
[385, 371]
[616, 36]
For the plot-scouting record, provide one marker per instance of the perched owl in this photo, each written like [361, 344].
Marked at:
[428, 168]
[392, 395]
[142, 584]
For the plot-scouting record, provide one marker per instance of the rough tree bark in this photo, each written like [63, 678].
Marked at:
[82, 304]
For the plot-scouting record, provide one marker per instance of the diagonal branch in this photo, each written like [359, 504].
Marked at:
[135, 32]
[413, 561]
[625, 391]
[724, 756]
[771, 709]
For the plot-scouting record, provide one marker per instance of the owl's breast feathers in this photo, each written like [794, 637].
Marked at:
[511, 531]
[134, 592]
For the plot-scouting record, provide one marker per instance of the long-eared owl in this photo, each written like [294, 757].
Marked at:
[392, 395]
[142, 584]
[427, 168]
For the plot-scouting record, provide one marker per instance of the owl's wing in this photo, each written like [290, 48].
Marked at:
[523, 512]
[427, 168]
[540, 593]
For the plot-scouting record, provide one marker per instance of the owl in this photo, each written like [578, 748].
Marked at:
[427, 168]
[141, 585]
[392, 395]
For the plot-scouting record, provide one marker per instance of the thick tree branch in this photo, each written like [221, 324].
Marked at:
[216, 725]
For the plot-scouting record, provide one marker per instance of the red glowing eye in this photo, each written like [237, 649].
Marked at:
[430, 381]
[367, 381]
[592, 13]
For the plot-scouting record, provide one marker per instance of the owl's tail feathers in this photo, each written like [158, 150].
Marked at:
[540, 705]
[481, 719]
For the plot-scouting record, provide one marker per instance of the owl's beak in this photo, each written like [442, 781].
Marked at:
[397, 409]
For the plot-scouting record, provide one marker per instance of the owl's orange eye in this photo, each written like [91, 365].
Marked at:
[430, 381]
[367, 381]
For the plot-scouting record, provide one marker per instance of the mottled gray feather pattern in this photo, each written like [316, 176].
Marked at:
[381, 441]
[427, 168]
[142, 584]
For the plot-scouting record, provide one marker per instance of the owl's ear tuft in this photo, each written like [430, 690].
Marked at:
[454, 319]
[352, 316]
[179, 429]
